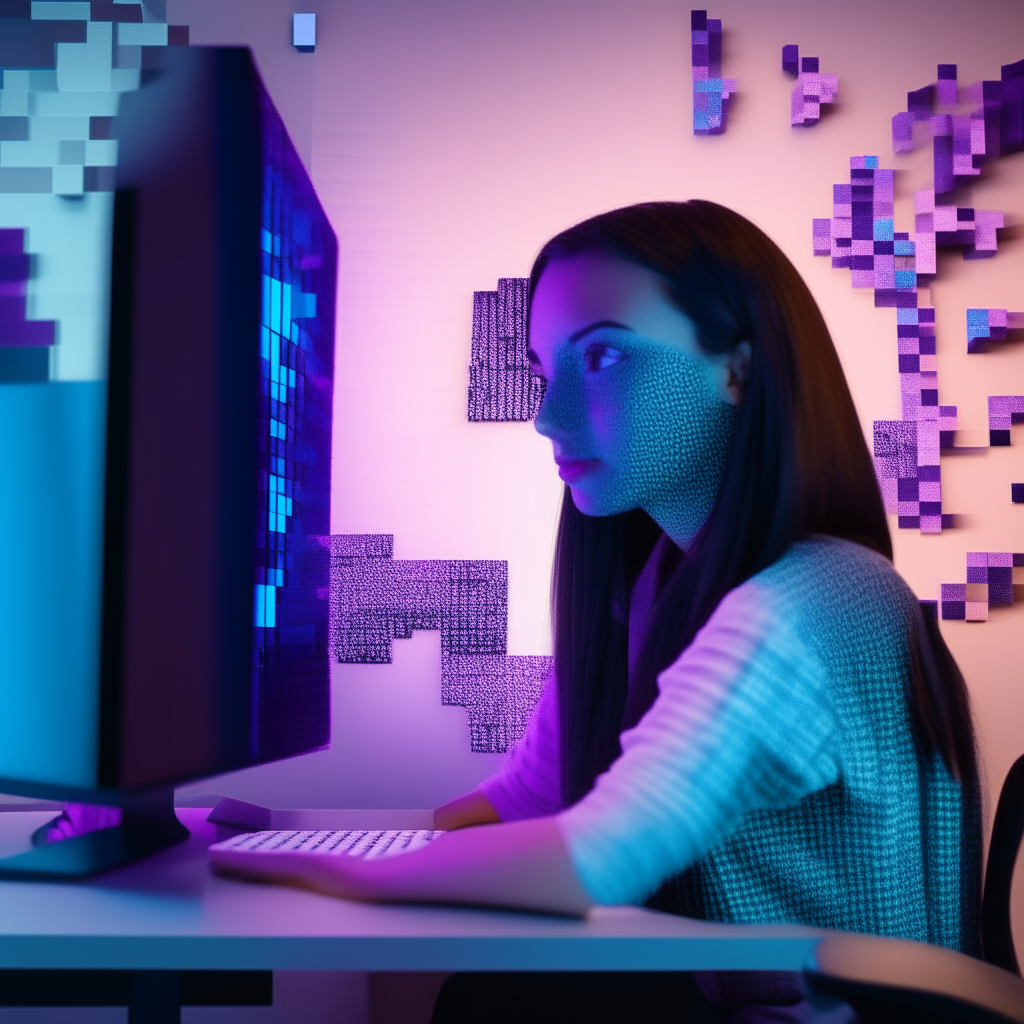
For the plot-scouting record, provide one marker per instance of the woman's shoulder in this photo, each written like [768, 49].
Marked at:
[823, 561]
[834, 587]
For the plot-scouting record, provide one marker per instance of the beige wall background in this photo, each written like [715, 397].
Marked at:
[449, 138]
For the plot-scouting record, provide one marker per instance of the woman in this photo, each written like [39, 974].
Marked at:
[750, 719]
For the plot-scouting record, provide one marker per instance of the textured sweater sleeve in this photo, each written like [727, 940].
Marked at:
[742, 722]
[528, 784]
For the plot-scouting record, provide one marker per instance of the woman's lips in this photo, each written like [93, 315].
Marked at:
[570, 470]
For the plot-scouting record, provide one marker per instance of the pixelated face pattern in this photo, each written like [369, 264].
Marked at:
[502, 385]
[993, 578]
[376, 599]
[860, 237]
[64, 67]
[812, 88]
[634, 408]
[711, 92]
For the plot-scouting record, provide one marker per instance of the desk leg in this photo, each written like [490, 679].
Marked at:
[156, 998]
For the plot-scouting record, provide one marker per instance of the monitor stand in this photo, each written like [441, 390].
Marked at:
[148, 825]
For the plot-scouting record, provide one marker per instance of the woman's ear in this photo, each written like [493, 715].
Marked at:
[737, 365]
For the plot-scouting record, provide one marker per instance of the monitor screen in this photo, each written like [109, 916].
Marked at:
[164, 542]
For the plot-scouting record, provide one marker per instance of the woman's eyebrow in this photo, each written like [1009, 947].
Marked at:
[583, 331]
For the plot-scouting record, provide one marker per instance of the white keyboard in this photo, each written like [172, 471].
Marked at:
[352, 843]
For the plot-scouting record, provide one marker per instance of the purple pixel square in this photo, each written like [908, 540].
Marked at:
[921, 103]
[1011, 127]
[791, 59]
[1000, 585]
[12, 241]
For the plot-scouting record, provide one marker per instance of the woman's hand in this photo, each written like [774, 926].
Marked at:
[522, 865]
[470, 809]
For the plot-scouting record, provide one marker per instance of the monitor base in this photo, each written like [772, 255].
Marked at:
[148, 825]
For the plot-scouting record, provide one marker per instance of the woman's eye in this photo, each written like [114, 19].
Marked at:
[599, 356]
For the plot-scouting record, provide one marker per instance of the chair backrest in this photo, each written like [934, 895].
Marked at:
[896, 980]
[996, 926]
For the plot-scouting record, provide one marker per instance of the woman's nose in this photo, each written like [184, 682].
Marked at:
[561, 409]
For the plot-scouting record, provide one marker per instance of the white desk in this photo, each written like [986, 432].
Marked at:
[171, 913]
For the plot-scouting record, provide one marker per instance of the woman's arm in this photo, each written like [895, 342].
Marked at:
[469, 809]
[522, 865]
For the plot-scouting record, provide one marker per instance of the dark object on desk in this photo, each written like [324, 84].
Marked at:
[891, 981]
[152, 997]
[216, 482]
[241, 814]
[147, 826]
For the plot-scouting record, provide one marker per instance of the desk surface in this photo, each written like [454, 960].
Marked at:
[170, 912]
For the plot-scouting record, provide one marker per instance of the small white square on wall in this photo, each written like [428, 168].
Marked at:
[304, 31]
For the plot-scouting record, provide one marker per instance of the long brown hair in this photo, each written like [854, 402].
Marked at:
[798, 465]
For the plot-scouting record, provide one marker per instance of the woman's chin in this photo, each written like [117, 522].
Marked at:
[596, 505]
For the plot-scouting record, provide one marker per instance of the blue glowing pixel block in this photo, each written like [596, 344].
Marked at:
[376, 599]
[987, 325]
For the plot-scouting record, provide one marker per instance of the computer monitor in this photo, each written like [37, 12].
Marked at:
[181, 631]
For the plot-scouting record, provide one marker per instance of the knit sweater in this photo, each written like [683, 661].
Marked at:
[775, 776]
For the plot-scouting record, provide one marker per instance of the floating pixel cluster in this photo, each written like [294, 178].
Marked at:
[993, 577]
[963, 142]
[24, 344]
[936, 225]
[502, 385]
[711, 92]
[985, 325]
[860, 237]
[812, 88]
[1003, 410]
[376, 599]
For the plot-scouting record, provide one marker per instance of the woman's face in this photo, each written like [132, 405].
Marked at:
[639, 416]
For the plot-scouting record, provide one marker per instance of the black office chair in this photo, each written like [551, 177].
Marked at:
[893, 981]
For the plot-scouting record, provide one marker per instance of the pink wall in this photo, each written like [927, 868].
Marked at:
[449, 138]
